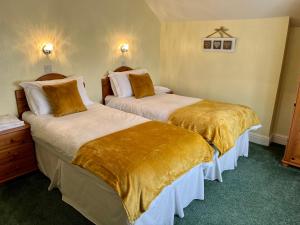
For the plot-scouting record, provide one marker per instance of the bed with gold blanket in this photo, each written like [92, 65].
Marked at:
[219, 123]
[140, 161]
[151, 156]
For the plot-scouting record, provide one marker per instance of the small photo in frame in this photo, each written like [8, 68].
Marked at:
[227, 45]
[217, 44]
[207, 44]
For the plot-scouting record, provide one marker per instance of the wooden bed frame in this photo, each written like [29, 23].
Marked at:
[105, 82]
[22, 104]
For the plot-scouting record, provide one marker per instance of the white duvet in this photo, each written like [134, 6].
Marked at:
[69, 132]
[156, 107]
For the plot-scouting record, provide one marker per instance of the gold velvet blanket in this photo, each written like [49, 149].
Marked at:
[219, 123]
[140, 161]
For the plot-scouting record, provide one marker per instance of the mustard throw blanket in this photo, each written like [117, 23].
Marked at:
[140, 161]
[219, 123]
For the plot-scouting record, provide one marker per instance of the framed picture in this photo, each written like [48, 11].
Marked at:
[219, 44]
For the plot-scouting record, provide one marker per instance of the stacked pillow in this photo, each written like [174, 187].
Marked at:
[124, 86]
[37, 98]
[120, 83]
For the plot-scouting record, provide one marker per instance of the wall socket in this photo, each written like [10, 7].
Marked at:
[48, 68]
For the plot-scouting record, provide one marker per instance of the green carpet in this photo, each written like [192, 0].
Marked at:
[260, 191]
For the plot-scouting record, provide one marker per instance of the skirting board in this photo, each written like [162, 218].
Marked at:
[259, 139]
[265, 140]
[279, 139]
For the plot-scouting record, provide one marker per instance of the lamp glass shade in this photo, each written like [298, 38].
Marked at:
[47, 48]
[124, 48]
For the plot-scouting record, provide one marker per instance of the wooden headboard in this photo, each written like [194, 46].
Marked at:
[21, 100]
[105, 82]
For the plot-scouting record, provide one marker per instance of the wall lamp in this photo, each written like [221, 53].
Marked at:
[47, 48]
[124, 48]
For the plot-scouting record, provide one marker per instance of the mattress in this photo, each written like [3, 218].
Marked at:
[57, 141]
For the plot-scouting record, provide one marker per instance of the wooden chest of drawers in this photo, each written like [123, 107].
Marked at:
[292, 151]
[17, 156]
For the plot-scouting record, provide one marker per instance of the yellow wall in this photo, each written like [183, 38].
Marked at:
[87, 35]
[248, 76]
[288, 84]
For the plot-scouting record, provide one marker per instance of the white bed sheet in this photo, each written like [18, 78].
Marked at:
[156, 107]
[57, 141]
[69, 132]
[229, 160]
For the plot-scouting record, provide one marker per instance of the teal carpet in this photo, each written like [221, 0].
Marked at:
[260, 191]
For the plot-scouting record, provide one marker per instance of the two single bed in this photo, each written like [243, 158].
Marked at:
[162, 105]
[57, 141]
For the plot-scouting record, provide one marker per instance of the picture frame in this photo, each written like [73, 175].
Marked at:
[219, 44]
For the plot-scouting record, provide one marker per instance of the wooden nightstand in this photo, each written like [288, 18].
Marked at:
[17, 155]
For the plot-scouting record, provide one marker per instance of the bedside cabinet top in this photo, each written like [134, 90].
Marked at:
[26, 126]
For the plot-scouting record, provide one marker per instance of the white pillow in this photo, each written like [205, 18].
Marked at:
[161, 90]
[120, 83]
[36, 97]
[112, 84]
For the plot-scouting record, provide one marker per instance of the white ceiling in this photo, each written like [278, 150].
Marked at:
[174, 10]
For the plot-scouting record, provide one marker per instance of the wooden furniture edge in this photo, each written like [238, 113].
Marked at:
[13, 146]
[25, 126]
[286, 161]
